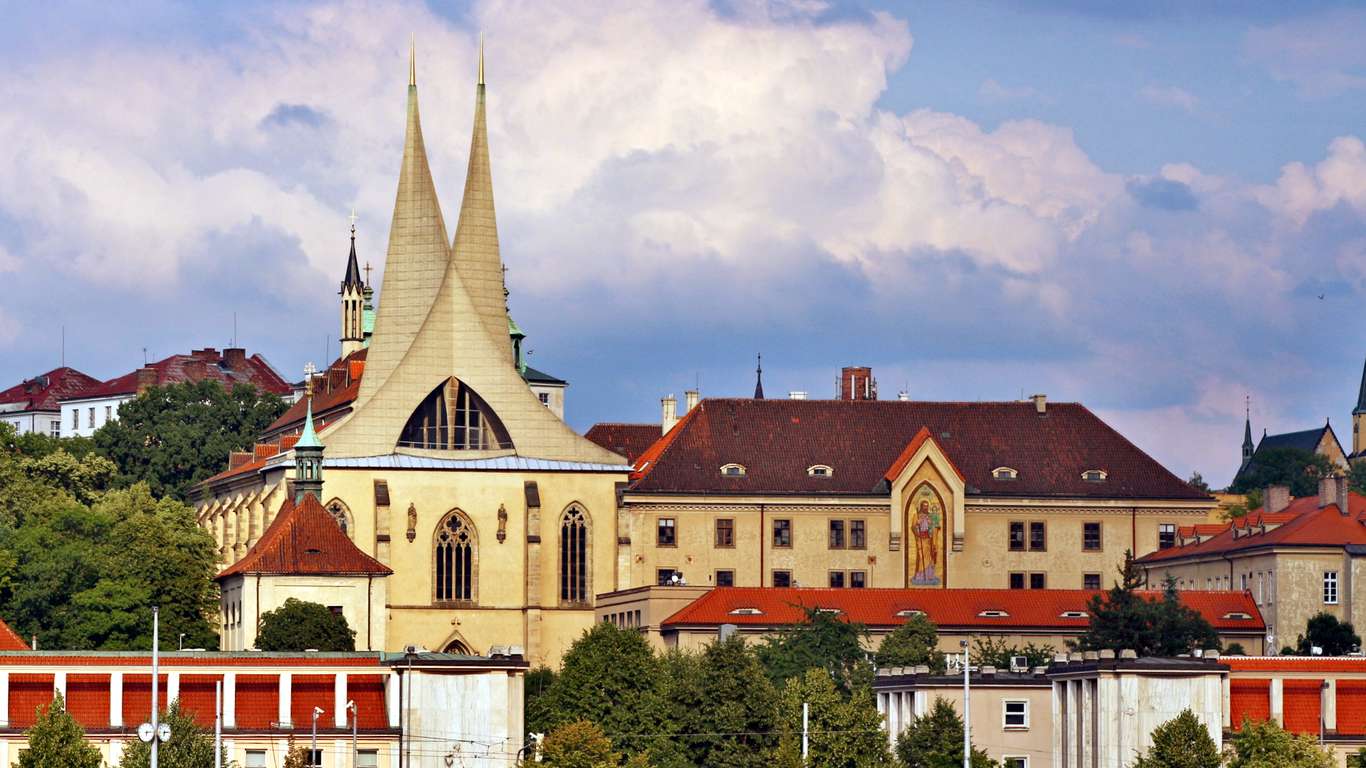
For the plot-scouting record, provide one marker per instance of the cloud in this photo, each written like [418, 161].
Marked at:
[1169, 96]
[1320, 54]
[1338, 179]
[1163, 194]
[993, 92]
[295, 114]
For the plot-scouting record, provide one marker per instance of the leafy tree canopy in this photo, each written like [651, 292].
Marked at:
[844, 732]
[56, 740]
[175, 436]
[302, 626]
[822, 640]
[580, 744]
[1122, 618]
[725, 694]
[997, 652]
[1295, 467]
[1265, 744]
[1326, 632]
[1182, 742]
[1198, 483]
[935, 740]
[190, 746]
[913, 643]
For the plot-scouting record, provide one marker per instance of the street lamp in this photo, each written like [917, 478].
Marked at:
[313, 760]
[967, 709]
[355, 715]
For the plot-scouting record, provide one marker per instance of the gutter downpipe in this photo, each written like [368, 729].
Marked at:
[763, 534]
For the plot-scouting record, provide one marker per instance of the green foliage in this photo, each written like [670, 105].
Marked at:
[1356, 477]
[824, 641]
[580, 744]
[1324, 631]
[295, 756]
[1357, 760]
[913, 643]
[1121, 618]
[1266, 745]
[56, 740]
[175, 436]
[1198, 483]
[535, 685]
[190, 746]
[302, 626]
[1297, 468]
[723, 691]
[844, 733]
[935, 740]
[1234, 649]
[997, 652]
[1182, 742]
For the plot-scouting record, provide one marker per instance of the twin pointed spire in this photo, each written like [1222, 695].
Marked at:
[759, 377]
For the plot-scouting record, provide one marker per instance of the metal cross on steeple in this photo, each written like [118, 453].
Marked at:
[367, 273]
[352, 219]
[309, 370]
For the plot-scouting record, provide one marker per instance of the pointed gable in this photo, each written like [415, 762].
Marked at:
[10, 640]
[912, 449]
[304, 540]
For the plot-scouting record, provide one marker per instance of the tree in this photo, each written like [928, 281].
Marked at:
[1325, 632]
[56, 740]
[844, 732]
[935, 740]
[1234, 649]
[997, 652]
[1295, 467]
[175, 436]
[1182, 742]
[303, 626]
[1356, 477]
[1123, 618]
[1264, 744]
[579, 744]
[911, 644]
[190, 746]
[824, 641]
[1198, 483]
[725, 694]
[535, 685]
[295, 756]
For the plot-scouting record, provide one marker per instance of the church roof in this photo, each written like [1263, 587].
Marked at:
[1361, 394]
[353, 278]
[534, 376]
[42, 392]
[1304, 440]
[305, 540]
[778, 440]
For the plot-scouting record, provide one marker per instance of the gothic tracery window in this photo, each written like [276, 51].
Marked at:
[341, 514]
[455, 559]
[454, 418]
[574, 556]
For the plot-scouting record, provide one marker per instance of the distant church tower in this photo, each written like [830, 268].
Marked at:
[1248, 447]
[1359, 418]
[354, 299]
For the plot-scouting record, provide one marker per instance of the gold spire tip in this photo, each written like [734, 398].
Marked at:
[412, 60]
[481, 58]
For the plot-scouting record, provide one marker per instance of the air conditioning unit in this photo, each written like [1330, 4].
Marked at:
[1019, 663]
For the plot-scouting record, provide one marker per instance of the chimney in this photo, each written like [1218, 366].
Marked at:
[235, 358]
[147, 378]
[669, 413]
[796, 395]
[857, 383]
[903, 396]
[1333, 490]
[690, 397]
[1040, 403]
[207, 354]
[1275, 498]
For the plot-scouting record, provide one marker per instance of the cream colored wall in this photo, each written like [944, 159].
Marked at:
[988, 729]
[362, 601]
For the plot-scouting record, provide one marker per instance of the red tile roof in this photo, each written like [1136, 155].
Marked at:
[629, 440]
[1330, 665]
[957, 608]
[42, 392]
[10, 640]
[1303, 523]
[305, 539]
[777, 440]
[333, 394]
[199, 365]
[908, 453]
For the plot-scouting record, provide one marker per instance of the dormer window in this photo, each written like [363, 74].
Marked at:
[1004, 473]
[732, 470]
[1238, 616]
[907, 613]
[828, 610]
[1094, 475]
[819, 470]
[1072, 615]
[993, 614]
[746, 612]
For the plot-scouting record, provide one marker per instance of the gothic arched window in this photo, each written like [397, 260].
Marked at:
[454, 418]
[456, 550]
[574, 556]
[339, 512]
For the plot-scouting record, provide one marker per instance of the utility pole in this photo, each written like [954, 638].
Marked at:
[156, 678]
[313, 760]
[806, 732]
[355, 715]
[217, 723]
[967, 708]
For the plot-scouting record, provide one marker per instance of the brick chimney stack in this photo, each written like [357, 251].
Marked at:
[235, 358]
[1275, 498]
[857, 383]
[668, 416]
[147, 378]
[1334, 490]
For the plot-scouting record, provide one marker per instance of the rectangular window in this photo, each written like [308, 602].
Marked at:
[1017, 537]
[365, 758]
[837, 534]
[723, 579]
[1038, 540]
[90, 418]
[1330, 587]
[1208, 583]
[1271, 587]
[545, 400]
[1166, 535]
[1090, 537]
[1015, 714]
[1036, 581]
[1261, 584]
[1017, 580]
[1014, 762]
[665, 532]
[55, 429]
[256, 758]
[1242, 579]
[857, 580]
[858, 537]
[1090, 581]
[836, 581]
[780, 579]
[76, 424]
[315, 756]
[782, 533]
[109, 414]
[725, 533]
[663, 577]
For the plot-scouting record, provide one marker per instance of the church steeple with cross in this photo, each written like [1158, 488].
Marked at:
[354, 298]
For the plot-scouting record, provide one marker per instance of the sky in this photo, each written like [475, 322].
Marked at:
[1155, 209]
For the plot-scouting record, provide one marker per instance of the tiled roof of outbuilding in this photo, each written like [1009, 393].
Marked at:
[42, 392]
[200, 365]
[305, 540]
[956, 608]
[777, 440]
[1303, 523]
[629, 440]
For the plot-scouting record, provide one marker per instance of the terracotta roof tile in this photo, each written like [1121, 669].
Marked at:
[305, 539]
[330, 400]
[945, 607]
[1303, 523]
[777, 440]
[629, 440]
[42, 392]
[10, 640]
[199, 365]
[908, 453]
